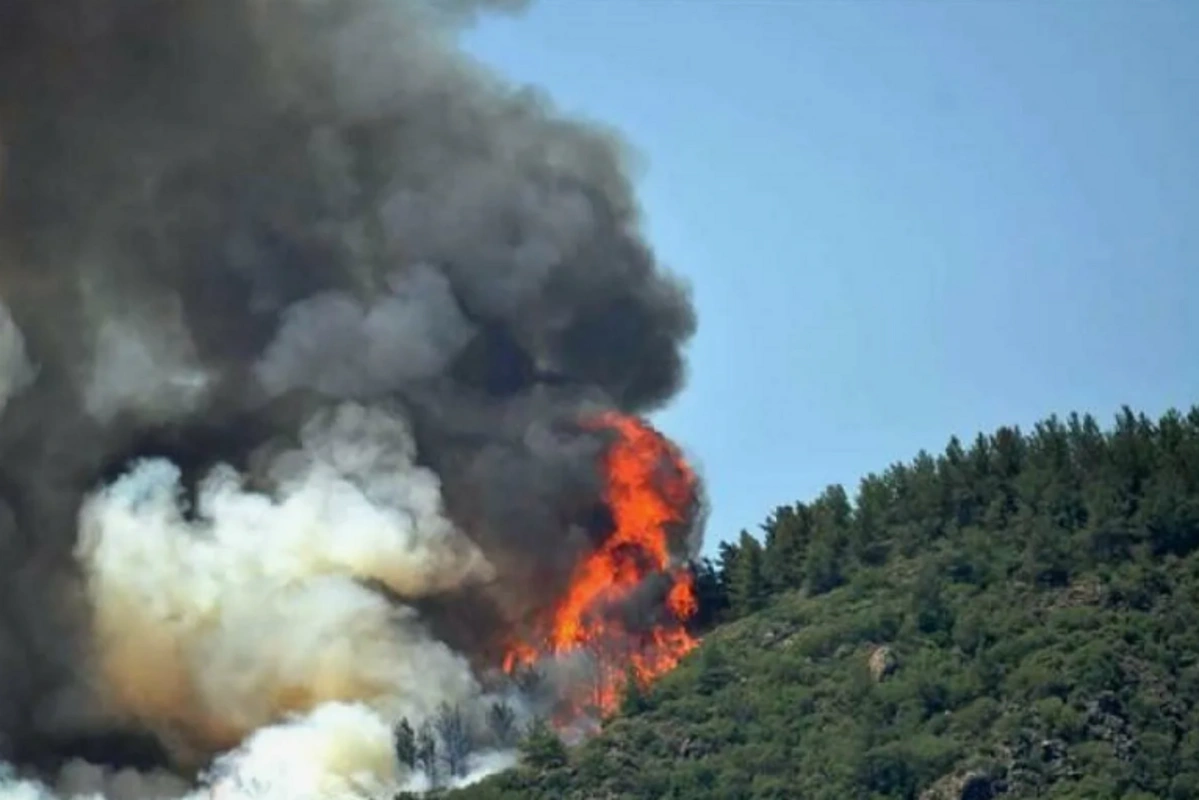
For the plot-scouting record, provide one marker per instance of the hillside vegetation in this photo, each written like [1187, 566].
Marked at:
[1014, 618]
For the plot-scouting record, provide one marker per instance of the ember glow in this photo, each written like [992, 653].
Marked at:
[650, 491]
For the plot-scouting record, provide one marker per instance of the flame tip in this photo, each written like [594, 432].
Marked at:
[650, 490]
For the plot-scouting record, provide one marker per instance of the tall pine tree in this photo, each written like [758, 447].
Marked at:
[747, 579]
[787, 532]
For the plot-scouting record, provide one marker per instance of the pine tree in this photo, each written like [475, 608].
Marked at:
[405, 744]
[787, 532]
[1047, 554]
[728, 555]
[828, 553]
[952, 472]
[501, 719]
[932, 613]
[825, 570]
[714, 670]
[457, 739]
[711, 594]
[747, 587]
[541, 748]
[926, 500]
[634, 700]
[426, 753]
[867, 537]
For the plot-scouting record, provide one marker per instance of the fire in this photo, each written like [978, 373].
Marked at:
[649, 489]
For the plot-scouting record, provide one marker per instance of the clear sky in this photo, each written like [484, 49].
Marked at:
[901, 220]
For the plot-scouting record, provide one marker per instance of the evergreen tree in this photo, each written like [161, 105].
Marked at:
[711, 594]
[787, 532]
[924, 497]
[932, 613]
[501, 720]
[1047, 551]
[1088, 445]
[1007, 453]
[405, 744]
[825, 567]
[541, 748]
[747, 582]
[828, 553]
[634, 700]
[868, 533]
[952, 473]
[457, 738]
[714, 670]
[984, 486]
[728, 552]
[426, 753]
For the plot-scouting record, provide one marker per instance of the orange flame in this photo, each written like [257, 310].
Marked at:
[649, 489]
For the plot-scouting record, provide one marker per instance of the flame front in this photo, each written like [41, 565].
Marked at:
[649, 490]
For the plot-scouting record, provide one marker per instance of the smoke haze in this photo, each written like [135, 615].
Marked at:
[300, 309]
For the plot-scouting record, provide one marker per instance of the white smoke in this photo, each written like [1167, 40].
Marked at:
[245, 624]
[339, 751]
[480, 765]
[336, 752]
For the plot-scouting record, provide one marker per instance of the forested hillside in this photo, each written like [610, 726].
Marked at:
[1016, 617]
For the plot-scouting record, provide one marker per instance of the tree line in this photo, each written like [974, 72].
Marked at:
[441, 747]
[1040, 506]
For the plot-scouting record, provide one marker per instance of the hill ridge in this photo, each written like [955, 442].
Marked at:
[1034, 599]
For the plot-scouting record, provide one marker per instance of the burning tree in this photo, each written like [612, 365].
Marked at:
[651, 493]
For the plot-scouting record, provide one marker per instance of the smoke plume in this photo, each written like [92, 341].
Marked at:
[300, 310]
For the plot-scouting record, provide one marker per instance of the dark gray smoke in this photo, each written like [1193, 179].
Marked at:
[217, 216]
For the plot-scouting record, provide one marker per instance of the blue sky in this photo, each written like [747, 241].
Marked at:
[901, 220]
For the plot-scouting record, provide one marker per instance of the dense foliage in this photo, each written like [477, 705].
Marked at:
[1016, 618]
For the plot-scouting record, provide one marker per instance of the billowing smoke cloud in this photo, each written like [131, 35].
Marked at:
[255, 609]
[300, 309]
[338, 751]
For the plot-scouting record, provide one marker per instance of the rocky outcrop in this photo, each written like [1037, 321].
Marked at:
[1106, 722]
[969, 785]
[882, 663]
